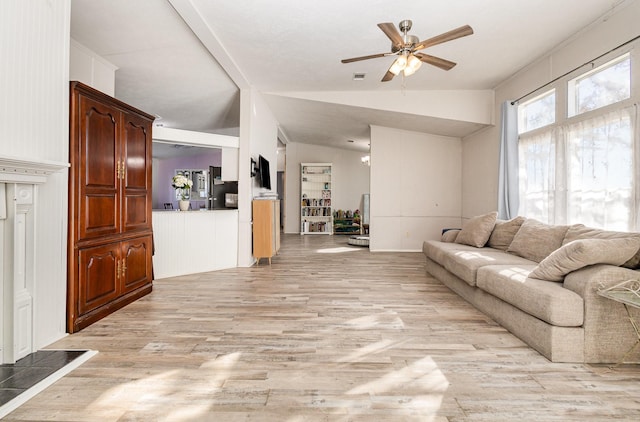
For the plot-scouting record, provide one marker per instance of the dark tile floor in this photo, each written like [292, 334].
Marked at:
[30, 370]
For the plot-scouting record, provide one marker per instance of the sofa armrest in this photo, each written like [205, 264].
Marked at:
[588, 280]
[608, 333]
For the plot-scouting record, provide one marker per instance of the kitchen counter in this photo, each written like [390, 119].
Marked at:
[188, 242]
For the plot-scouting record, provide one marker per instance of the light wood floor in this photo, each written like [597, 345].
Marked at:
[328, 332]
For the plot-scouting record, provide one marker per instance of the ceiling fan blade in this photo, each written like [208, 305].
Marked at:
[390, 31]
[387, 77]
[463, 31]
[355, 59]
[435, 61]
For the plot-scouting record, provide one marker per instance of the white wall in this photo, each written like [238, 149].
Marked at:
[415, 187]
[34, 121]
[480, 150]
[349, 179]
[258, 136]
[91, 69]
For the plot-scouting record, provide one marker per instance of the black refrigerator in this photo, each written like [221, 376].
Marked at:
[218, 191]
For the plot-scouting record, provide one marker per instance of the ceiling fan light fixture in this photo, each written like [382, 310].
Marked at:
[407, 47]
[399, 65]
[413, 64]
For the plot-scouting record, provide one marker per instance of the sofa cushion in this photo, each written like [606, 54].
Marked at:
[464, 260]
[580, 253]
[477, 230]
[504, 232]
[450, 235]
[536, 240]
[546, 300]
[437, 251]
[580, 231]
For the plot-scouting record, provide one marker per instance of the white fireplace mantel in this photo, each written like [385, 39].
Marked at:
[18, 202]
[17, 170]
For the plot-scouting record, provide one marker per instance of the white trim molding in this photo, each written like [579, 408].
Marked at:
[17, 170]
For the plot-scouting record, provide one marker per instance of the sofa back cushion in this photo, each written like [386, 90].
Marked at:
[504, 232]
[476, 230]
[450, 235]
[536, 240]
[580, 231]
[582, 252]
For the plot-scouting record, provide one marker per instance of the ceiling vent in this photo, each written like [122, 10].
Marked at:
[359, 76]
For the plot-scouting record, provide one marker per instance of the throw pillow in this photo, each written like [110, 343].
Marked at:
[504, 232]
[580, 253]
[450, 235]
[536, 240]
[580, 231]
[476, 231]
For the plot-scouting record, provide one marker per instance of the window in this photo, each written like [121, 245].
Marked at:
[583, 168]
[537, 112]
[600, 171]
[607, 84]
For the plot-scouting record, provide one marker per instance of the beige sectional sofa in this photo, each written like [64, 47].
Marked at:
[541, 283]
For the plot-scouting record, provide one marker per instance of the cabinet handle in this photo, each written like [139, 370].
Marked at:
[124, 267]
[120, 169]
[118, 268]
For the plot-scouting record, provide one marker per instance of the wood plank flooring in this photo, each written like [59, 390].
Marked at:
[328, 332]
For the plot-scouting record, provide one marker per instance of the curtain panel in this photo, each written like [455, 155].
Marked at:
[508, 195]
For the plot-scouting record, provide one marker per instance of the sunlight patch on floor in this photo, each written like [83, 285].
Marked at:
[371, 349]
[151, 394]
[421, 377]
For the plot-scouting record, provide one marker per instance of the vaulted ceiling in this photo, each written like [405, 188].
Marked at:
[185, 60]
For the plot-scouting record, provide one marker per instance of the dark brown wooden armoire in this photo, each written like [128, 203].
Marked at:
[110, 234]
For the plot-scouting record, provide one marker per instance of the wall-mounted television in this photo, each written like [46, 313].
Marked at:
[265, 175]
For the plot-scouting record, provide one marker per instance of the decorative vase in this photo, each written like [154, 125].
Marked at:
[183, 204]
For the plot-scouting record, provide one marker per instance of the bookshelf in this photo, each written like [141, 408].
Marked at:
[316, 216]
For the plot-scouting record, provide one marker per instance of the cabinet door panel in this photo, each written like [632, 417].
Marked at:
[135, 211]
[97, 223]
[137, 178]
[137, 259]
[98, 275]
[98, 199]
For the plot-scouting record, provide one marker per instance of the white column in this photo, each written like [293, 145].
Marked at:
[18, 272]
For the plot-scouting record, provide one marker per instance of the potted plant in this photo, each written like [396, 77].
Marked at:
[182, 185]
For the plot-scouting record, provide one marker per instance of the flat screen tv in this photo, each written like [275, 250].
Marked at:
[265, 175]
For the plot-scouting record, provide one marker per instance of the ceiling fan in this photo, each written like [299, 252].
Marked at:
[406, 47]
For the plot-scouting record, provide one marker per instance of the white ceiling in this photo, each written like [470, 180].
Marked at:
[284, 46]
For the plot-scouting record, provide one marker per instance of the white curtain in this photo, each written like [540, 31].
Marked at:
[508, 163]
[584, 172]
[600, 176]
[537, 175]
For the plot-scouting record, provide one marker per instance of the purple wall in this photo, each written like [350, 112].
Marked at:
[166, 168]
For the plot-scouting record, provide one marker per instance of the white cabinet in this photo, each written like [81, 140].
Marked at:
[316, 216]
